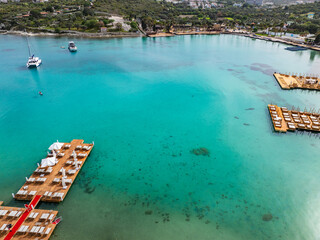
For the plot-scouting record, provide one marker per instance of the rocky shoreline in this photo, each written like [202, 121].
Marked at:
[74, 34]
[135, 34]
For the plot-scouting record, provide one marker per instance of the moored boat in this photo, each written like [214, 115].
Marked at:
[72, 47]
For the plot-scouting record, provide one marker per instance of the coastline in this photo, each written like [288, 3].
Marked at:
[74, 34]
[129, 34]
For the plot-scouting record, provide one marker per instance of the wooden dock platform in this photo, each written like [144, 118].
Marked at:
[30, 224]
[293, 81]
[48, 182]
[284, 120]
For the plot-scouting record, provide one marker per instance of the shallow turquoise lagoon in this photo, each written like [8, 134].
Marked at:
[147, 103]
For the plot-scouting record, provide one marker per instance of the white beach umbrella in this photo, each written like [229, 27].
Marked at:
[56, 146]
[74, 155]
[63, 181]
[63, 171]
[48, 162]
[76, 165]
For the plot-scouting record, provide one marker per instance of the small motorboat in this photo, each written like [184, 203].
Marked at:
[57, 220]
[40, 93]
[72, 47]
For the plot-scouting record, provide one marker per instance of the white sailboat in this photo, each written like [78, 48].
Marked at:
[33, 61]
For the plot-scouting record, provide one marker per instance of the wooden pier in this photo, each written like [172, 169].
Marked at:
[54, 182]
[284, 120]
[295, 81]
[26, 223]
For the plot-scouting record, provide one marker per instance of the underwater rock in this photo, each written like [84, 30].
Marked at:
[267, 217]
[248, 109]
[200, 151]
[148, 212]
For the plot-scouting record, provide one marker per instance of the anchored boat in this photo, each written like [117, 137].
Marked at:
[33, 62]
[72, 47]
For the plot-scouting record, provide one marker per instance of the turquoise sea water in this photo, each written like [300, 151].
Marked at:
[146, 103]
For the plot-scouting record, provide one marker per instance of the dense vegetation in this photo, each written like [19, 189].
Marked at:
[82, 16]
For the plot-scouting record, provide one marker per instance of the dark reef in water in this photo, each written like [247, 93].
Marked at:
[267, 217]
[248, 109]
[200, 151]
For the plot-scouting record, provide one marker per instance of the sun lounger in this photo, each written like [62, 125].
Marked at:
[58, 195]
[3, 212]
[30, 180]
[67, 146]
[41, 230]
[18, 214]
[86, 147]
[44, 216]
[33, 215]
[71, 172]
[68, 181]
[41, 180]
[69, 162]
[23, 229]
[51, 217]
[32, 193]
[4, 227]
[47, 231]
[34, 229]
[79, 163]
[56, 180]
[78, 147]
[82, 155]
[49, 170]
[12, 214]
[61, 154]
[22, 192]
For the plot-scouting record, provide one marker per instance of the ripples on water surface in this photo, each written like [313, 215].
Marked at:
[150, 105]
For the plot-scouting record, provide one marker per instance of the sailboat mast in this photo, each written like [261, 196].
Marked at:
[28, 46]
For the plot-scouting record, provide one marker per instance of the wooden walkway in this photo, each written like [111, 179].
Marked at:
[284, 120]
[292, 81]
[26, 223]
[48, 181]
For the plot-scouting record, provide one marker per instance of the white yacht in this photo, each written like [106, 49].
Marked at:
[33, 62]
[72, 47]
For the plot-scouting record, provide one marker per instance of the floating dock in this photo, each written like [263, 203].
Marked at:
[26, 223]
[294, 81]
[54, 182]
[290, 120]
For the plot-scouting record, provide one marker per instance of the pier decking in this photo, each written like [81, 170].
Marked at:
[48, 181]
[26, 223]
[290, 120]
[293, 81]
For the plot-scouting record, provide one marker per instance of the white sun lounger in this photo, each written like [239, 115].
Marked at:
[41, 230]
[41, 180]
[47, 231]
[61, 154]
[78, 147]
[56, 180]
[12, 214]
[22, 192]
[32, 193]
[67, 146]
[34, 229]
[68, 180]
[51, 217]
[18, 214]
[69, 162]
[23, 229]
[4, 227]
[3, 212]
[33, 215]
[71, 172]
[44, 216]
